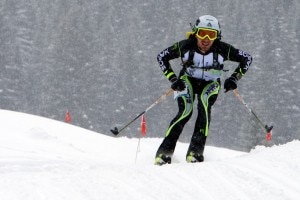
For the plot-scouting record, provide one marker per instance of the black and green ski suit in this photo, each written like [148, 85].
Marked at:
[202, 78]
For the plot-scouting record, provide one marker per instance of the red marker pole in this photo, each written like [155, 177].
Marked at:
[143, 133]
[269, 135]
[68, 117]
[143, 126]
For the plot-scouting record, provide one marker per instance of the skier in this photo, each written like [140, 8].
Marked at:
[202, 56]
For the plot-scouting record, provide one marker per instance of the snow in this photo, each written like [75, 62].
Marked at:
[46, 159]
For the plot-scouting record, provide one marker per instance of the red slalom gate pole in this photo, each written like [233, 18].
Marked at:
[143, 126]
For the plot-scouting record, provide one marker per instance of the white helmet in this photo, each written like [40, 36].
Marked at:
[208, 21]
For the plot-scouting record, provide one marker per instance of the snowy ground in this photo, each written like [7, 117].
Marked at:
[45, 159]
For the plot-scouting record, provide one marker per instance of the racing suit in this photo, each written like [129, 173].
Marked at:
[202, 79]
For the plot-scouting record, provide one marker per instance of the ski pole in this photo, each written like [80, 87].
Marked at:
[251, 112]
[115, 131]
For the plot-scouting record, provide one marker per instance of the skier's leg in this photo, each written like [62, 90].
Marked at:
[206, 99]
[185, 105]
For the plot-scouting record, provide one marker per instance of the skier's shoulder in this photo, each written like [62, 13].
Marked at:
[223, 48]
[187, 45]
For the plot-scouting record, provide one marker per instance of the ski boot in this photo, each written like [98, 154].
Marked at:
[162, 159]
[193, 157]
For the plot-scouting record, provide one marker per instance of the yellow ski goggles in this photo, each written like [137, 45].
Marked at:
[203, 33]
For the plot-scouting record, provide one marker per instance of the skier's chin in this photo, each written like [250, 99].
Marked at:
[204, 43]
[205, 47]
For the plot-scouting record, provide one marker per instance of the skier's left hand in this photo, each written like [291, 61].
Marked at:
[178, 85]
[230, 84]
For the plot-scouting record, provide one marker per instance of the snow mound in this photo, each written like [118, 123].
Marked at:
[46, 159]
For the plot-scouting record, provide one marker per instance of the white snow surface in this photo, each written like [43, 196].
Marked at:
[46, 159]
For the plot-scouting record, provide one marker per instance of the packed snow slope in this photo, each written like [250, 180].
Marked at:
[46, 159]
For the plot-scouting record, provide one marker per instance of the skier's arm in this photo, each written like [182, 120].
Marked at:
[164, 57]
[244, 59]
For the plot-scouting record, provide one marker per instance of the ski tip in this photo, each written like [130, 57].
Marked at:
[115, 131]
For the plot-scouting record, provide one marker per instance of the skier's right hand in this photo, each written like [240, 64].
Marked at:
[177, 85]
[230, 84]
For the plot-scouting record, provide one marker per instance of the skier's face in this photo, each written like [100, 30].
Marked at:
[205, 38]
[204, 44]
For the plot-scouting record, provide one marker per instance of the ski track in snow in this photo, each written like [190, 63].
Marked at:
[46, 159]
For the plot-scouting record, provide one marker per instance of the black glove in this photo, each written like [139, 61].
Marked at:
[230, 84]
[178, 85]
